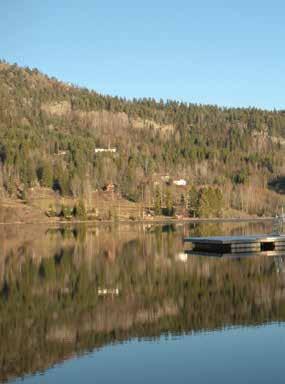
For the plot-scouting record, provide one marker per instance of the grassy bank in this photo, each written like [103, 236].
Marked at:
[19, 212]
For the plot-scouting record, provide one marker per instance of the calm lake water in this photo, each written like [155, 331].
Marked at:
[124, 304]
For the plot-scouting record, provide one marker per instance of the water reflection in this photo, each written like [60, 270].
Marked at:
[71, 290]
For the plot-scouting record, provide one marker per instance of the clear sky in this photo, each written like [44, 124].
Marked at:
[225, 52]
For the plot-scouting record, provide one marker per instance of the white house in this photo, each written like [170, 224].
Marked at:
[180, 182]
[62, 153]
[100, 150]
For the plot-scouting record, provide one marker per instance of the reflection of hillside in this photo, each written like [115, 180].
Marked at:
[18, 243]
[229, 228]
[50, 308]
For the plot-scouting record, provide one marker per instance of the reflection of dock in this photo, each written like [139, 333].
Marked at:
[233, 245]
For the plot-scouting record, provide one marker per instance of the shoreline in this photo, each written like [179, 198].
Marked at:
[142, 221]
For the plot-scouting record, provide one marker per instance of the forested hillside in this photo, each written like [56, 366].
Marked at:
[49, 131]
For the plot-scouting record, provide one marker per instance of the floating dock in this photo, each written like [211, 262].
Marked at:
[252, 244]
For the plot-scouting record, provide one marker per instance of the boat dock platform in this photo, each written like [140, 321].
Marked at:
[238, 244]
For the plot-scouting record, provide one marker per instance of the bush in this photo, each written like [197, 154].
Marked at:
[66, 212]
[79, 210]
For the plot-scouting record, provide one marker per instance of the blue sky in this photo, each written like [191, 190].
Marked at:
[229, 53]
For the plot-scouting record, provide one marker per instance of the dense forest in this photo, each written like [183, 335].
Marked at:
[49, 131]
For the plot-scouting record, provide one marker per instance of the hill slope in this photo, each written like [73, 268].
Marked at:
[49, 131]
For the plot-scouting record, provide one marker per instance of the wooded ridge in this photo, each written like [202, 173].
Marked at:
[76, 141]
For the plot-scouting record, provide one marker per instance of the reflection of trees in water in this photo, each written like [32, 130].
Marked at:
[229, 228]
[280, 264]
[50, 307]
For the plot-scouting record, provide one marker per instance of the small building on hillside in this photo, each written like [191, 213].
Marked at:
[180, 182]
[102, 150]
[110, 187]
[61, 153]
